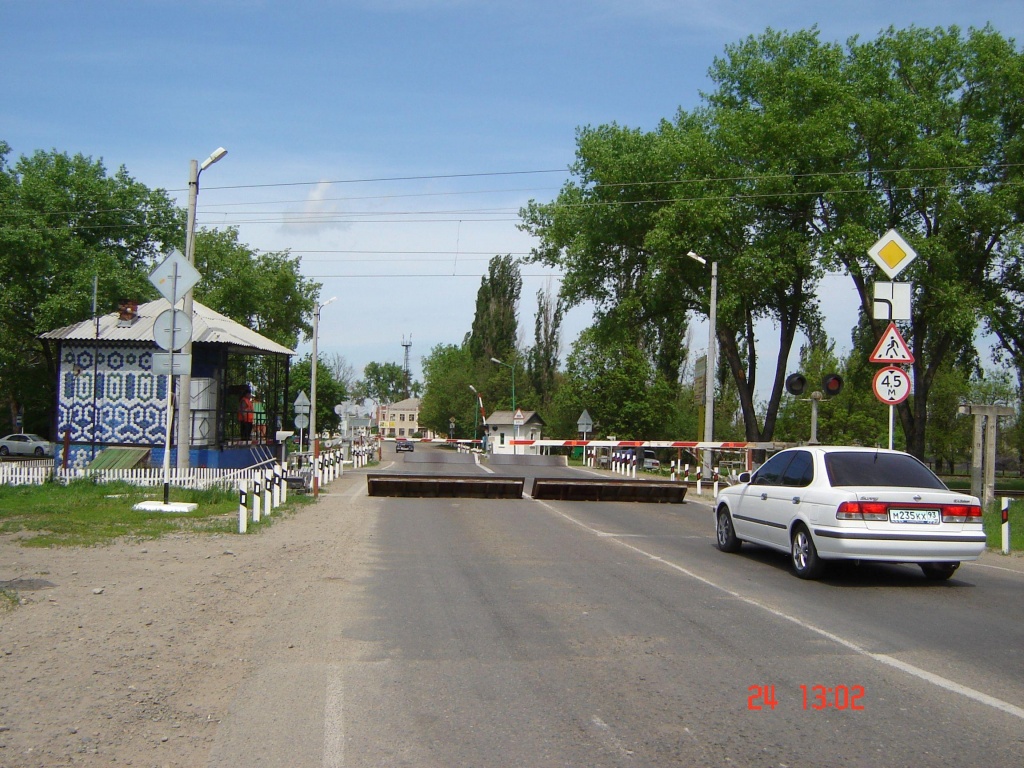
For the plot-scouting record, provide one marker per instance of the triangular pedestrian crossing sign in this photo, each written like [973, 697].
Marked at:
[892, 348]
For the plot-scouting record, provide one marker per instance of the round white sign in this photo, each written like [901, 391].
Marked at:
[892, 385]
[172, 329]
[302, 421]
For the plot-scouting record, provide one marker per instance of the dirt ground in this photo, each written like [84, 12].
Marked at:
[130, 654]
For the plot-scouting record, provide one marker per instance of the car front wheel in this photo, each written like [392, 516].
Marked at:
[804, 555]
[40, 451]
[725, 534]
[939, 571]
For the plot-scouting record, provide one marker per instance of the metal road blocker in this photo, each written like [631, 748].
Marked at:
[445, 486]
[650, 491]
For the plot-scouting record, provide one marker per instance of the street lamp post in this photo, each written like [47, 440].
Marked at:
[709, 373]
[312, 399]
[511, 368]
[185, 379]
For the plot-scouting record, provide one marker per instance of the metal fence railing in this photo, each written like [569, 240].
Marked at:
[31, 473]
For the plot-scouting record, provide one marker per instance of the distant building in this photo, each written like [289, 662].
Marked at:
[502, 430]
[399, 419]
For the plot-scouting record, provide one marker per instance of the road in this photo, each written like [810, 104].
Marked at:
[529, 633]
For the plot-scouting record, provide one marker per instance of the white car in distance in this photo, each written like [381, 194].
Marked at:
[822, 503]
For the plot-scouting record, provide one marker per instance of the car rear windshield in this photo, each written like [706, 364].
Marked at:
[885, 469]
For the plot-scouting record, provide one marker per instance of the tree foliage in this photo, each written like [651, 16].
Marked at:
[329, 391]
[382, 382]
[263, 291]
[65, 222]
[496, 324]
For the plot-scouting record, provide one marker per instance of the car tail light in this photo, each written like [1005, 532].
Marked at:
[961, 513]
[877, 511]
[862, 510]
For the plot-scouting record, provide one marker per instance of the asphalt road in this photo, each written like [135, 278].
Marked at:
[528, 633]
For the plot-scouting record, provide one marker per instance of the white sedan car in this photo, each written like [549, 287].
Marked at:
[821, 503]
[25, 445]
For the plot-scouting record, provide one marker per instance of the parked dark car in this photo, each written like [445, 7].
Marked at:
[403, 445]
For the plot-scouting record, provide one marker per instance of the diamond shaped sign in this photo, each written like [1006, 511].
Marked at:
[892, 253]
[174, 276]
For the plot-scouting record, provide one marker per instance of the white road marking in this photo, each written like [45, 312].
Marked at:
[974, 564]
[910, 669]
[334, 722]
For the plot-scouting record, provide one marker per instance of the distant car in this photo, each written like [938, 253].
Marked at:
[25, 445]
[403, 445]
[651, 464]
[822, 503]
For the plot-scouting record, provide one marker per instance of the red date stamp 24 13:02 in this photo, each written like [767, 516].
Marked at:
[815, 697]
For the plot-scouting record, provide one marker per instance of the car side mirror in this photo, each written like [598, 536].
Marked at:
[744, 477]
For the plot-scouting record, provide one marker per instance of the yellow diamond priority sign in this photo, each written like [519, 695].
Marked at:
[892, 253]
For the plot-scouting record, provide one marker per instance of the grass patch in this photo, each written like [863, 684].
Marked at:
[962, 483]
[84, 513]
[993, 523]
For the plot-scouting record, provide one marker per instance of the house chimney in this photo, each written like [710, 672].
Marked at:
[127, 312]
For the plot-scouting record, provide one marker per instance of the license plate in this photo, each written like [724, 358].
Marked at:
[915, 516]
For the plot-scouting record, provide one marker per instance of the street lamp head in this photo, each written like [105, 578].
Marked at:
[472, 389]
[333, 298]
[496, 360]
[218, 153]
[697, 258]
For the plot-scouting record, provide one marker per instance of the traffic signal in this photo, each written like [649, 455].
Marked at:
[796, 384]
[832, 384]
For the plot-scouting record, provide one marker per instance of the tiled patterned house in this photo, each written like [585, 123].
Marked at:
[108, 395]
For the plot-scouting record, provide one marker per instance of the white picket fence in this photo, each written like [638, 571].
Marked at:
[37, 473]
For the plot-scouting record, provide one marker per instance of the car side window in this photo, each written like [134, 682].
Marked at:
[771, 471]
[800, 471]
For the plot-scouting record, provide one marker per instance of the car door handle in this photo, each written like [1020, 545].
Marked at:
[796, 499]
[764, 497]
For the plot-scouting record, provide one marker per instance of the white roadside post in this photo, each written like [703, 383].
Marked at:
[243, 506]
[256, 498]
[1006, 525]
[268, 480]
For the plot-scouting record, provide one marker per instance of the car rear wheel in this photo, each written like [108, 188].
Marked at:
[725, 534]
[4, 450]
[939, 571]
[804, 555]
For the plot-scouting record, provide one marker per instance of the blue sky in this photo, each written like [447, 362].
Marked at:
[329, 109]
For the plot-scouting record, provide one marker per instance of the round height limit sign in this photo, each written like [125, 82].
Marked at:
[892, 385]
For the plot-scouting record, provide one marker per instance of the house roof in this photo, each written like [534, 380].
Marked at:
[409, 404]
[508, 417]
[207, 326]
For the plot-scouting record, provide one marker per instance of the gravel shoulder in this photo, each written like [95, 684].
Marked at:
[131, 654]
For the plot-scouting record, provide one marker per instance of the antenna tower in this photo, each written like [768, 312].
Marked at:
[405, 365]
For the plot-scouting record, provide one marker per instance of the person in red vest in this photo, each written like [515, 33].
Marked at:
[245, 416]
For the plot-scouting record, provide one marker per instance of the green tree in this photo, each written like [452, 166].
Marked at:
[542, 357]
[495, 324]
[65, 223]
[618, 385]
[934, 119]
[329, 391]
[382, 382]
[263, 291]
[448, 371]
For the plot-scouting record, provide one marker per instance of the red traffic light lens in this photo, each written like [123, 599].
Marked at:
[832, 384]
